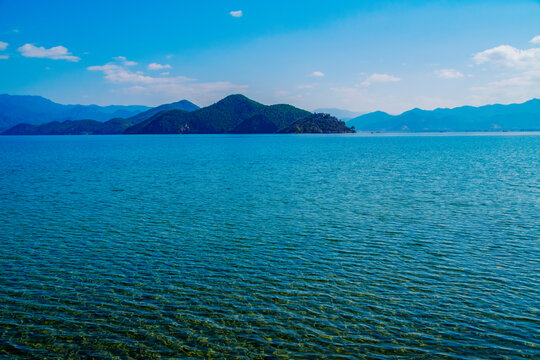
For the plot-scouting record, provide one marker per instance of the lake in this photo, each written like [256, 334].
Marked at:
[270, 246]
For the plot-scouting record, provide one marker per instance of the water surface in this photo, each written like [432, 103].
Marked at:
[267, 246]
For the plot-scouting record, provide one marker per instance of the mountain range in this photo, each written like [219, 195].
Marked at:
[238, 114]
[88, 126]
[16, 109]
[235, 114]
[513, 117]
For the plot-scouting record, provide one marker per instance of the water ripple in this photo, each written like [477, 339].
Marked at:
[270, 247]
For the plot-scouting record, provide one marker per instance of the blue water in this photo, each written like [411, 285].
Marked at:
[270, 246]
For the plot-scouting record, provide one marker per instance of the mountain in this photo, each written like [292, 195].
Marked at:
[317, 124]
[513, 117]
[341, 114]
[93, 127]
[234, 114]
[179, 105]
[15, 109]
[70, 127]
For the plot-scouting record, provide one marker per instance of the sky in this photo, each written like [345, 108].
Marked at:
[356, 55]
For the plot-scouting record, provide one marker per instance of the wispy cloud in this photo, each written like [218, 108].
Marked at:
[125, 61]
[54, 53]
[3, 45]
[535, 40]
[317, 74]
[4, 57]
[448, 74]
[136, 82]
[156, 66]
[236, 13]
[380, 78]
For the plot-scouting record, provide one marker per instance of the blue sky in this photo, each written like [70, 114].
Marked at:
[356, 55]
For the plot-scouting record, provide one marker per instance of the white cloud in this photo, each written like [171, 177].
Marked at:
[521, 71]
[55, 53]
[448, 74]
[317, 74]
[4, 57]
[535, 40]
[510, 57]
[514, 89]
[380, 78]
[166, 73]
[156, 66]
[3, 45]
[237, 13]
[170, 87]
[125, 61]
[118, 74]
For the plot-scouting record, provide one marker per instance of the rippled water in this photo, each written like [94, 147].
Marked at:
[270, 246]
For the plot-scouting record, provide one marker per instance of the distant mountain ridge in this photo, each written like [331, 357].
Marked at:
[16, 109]
[512, 117]
[93, 127]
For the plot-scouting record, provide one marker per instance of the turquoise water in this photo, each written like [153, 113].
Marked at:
[270, 246]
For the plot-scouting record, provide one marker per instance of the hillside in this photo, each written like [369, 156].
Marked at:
[69, 127]
[513, 117]
[16, 109]
[341, 114]
[179, 105]
[233, 114]
[317, 124]
[92, 127]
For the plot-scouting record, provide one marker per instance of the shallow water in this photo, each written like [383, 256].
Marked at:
[270, 246]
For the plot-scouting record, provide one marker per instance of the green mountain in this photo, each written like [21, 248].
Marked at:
[16, 109]
[179, 105]
[234, 114]
[317, 124]
[513, 117]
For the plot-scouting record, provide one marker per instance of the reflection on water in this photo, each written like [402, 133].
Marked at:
[269, 246]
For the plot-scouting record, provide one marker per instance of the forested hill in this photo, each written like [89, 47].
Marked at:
[233, 114]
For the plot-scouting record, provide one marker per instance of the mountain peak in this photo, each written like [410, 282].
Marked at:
[236, 99]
